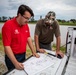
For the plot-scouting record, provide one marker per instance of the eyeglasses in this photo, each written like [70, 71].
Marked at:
[25, 17]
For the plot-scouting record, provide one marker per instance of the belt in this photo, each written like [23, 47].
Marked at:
[45, 43]
[18, 54]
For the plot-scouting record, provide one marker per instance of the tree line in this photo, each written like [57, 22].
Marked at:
[4, 18]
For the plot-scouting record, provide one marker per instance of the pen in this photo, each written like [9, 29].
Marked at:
[25, 72]
[50, 54]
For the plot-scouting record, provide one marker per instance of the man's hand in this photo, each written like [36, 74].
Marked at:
[36, 55]
[19, 66]
[60, 53]
[41, 50]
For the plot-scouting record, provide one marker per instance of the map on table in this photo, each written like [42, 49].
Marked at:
[36, 65]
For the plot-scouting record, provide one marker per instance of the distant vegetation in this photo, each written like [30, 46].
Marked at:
[32, 20]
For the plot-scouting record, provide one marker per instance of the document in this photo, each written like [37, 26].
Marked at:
[34, 65]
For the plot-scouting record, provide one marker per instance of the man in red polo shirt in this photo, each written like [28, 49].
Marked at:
[16, 35]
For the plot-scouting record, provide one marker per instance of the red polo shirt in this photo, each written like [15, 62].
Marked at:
[15, 36]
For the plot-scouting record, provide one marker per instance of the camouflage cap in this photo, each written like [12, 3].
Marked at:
[50, 13]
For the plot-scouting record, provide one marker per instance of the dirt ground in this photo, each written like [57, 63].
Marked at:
[3, 67]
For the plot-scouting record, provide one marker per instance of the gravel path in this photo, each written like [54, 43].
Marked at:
[3, 67]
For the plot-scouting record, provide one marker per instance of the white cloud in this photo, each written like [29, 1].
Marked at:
[63, 8]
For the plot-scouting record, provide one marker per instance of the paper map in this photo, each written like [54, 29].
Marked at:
[36, 65]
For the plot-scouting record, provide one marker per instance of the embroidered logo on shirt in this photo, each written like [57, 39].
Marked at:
[26, 31]
[16, 31]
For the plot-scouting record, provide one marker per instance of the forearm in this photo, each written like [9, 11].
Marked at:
[58, 41]
[36, 42]
[32, 47]
[30, 43]
[10, 54]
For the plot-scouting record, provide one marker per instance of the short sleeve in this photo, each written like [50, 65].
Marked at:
[28, 31]
[6, 35]
[57, 29]
[37, 28]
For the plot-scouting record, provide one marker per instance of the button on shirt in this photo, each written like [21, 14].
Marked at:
[15, 36]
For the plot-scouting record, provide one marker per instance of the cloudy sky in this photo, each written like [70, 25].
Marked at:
[64, 9]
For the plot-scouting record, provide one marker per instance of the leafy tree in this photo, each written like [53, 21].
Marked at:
[73, 20]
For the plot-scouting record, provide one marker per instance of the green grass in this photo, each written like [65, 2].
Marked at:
[28, 53]
[67, 24]
[1, 45]
[0, 36]
[60, 23]
[62, 48]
